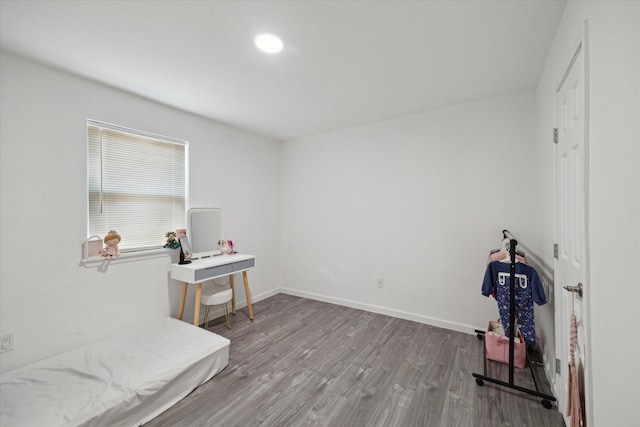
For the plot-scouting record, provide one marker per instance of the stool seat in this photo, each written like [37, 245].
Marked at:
[216, 296]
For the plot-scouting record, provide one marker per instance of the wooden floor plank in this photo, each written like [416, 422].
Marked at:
[307, 363]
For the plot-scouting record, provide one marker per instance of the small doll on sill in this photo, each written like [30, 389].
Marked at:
[172, 241]
[111, 240]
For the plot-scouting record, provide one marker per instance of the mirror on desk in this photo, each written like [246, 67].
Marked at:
[204, 229]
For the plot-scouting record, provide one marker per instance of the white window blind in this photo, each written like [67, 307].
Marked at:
[137, 185]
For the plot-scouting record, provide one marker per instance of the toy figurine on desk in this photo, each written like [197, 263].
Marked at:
[112, 240]
[223, 246]
[227, 247]
[172, 241]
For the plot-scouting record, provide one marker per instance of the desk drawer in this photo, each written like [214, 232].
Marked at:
[243, 265]
[216, 271]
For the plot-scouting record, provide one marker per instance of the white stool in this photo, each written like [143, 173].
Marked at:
[216, 296]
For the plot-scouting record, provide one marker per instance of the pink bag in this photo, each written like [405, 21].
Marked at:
[497, 346]
[92, 247]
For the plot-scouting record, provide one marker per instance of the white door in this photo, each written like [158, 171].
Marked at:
[571, 265]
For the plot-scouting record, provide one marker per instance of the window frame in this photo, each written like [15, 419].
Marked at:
[144, 251]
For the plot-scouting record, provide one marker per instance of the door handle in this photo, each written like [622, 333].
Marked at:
[577, 289]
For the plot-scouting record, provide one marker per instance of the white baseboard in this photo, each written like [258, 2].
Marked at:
[459, 327]
[258, 297]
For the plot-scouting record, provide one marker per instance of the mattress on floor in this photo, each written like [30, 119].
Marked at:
[125, 380]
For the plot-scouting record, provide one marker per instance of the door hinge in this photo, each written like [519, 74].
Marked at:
[555, 135]
[555, 251]
[558, 366]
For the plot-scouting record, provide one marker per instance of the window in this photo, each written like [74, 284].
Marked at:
[137, 185]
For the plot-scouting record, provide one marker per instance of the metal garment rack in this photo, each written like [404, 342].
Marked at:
[480, 379]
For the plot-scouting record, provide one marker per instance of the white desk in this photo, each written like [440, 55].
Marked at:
[210, 268]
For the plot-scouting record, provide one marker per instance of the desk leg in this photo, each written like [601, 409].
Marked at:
[248, 294]
[196, 309]
[233, 294]
[185, 285]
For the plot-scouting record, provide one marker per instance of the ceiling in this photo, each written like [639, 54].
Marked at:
[344, 63]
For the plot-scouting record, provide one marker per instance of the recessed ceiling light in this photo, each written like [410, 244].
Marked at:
[268, 43]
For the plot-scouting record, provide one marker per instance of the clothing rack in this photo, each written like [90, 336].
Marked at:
[480, 379]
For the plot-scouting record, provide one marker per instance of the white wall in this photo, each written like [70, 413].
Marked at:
[419, 200]
[613, 54]
[47, 299]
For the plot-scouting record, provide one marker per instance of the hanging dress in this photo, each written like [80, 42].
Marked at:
[574, 408]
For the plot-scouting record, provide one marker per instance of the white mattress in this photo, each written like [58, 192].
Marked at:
[125, 380]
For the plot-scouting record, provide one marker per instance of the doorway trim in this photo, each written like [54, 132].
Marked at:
[580, 44]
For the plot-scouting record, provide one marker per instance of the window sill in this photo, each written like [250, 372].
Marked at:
[97, 261]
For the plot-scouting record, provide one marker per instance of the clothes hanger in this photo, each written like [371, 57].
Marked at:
[505, 248]
[502, 254]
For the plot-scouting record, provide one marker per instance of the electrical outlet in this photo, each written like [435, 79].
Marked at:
[7, 343]
[379, 282]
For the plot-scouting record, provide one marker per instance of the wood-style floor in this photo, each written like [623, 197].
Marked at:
[303, 362]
